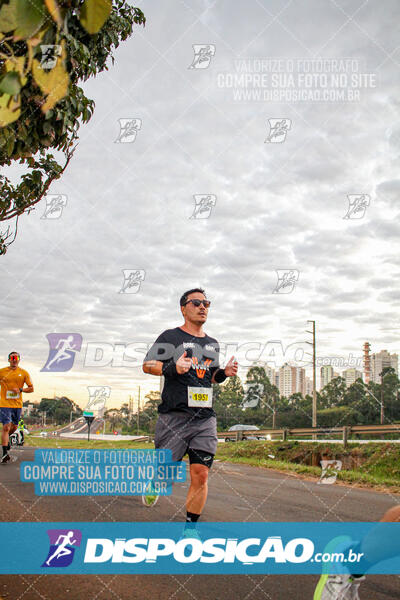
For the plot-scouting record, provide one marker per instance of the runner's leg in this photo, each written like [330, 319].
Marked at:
[376, 545]
[5, 435]
[5, 416]
[198, 490]
[202, 448]
[169, 435]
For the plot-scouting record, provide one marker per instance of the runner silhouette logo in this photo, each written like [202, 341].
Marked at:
[63, 543]
[63, 347]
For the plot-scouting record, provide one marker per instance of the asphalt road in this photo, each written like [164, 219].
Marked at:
[236, 493]
[80, 426]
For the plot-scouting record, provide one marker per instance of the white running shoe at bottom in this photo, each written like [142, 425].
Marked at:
[338, 587]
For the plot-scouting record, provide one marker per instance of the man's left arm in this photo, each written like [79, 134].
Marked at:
[230, 370]
[28, 382]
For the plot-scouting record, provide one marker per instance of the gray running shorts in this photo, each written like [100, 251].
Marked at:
[179, 431]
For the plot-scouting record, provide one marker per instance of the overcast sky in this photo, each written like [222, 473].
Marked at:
[279, 205]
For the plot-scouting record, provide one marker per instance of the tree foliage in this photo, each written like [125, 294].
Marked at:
[59, 409]
[46, 48]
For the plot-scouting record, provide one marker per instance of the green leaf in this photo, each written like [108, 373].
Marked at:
[54, 10]
[8, 16]
[30, 18]
[10, 84]
[10, 145]
[4, 100]
[94, 14]
[54, 83]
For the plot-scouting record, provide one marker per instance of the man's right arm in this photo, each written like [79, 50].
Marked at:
[153, 367]
[164, 348]
[151, 363]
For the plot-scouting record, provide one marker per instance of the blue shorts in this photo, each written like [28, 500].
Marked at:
[10, 415]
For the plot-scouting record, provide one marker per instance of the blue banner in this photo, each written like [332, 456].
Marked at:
[212, 548]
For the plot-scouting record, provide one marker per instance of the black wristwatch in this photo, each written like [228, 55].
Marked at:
[20, 389]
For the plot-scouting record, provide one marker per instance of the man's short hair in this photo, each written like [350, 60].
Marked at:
[184, 297]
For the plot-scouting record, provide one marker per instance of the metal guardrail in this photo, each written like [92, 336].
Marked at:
[283, 434]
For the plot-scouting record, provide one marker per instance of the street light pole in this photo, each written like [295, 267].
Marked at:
[274, 413]
[382, 374]
[314, 402]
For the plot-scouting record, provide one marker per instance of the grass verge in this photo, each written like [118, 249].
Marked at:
[371, 465]
[367, 465]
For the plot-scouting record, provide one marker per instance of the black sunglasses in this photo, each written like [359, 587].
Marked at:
[196, 302]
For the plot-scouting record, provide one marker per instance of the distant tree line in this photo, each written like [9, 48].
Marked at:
[256, 401]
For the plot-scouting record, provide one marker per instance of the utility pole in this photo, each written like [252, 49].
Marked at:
[138, 412]
[382, 399]
[314, 402]
[130, 406]
[274, 413]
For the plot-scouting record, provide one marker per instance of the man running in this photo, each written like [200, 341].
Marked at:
[189, 361]
[12, 381]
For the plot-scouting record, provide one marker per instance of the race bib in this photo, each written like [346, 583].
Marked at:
[12, 395]
[200, 397]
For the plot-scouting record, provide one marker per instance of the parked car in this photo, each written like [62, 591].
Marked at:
[43, 434]
[247, 436]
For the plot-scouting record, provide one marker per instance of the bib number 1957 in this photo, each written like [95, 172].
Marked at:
[199, 397]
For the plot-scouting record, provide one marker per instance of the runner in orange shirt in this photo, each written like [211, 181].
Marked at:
[12, 381]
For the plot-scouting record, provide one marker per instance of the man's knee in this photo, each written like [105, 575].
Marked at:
[199, 474]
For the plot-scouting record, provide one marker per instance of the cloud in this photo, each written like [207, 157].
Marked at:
[279, 206]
